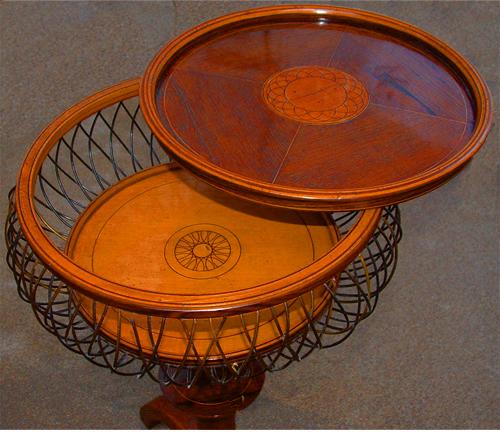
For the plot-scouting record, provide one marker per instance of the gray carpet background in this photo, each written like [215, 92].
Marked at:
[427, 357]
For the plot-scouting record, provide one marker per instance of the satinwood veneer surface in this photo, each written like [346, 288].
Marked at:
[165, 232]
[316, 107]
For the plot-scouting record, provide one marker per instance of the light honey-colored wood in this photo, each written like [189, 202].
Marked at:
[132, 235]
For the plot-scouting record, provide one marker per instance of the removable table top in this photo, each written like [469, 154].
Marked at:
[316, 107]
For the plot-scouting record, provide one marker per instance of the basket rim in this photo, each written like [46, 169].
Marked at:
[132, 299]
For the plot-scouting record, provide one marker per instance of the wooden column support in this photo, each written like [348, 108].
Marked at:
[205, 405]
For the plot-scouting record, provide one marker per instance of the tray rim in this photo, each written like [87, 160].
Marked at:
[104, 290]
[310, 198]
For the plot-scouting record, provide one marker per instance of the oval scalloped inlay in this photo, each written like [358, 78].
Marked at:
[314, 94]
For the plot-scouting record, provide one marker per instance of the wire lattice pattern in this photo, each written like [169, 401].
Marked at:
[111, 145]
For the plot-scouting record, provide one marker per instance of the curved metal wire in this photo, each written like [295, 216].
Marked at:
[350, 300]
[111, 145]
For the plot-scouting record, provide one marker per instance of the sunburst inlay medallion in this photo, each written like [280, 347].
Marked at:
[202, 251]
[314, 94]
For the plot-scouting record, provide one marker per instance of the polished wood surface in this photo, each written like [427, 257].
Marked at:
[181, 235]
[316, 107]
[163, 232]
[205, 405]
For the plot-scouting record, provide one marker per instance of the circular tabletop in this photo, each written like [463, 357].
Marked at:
[316, 107]
[163, 232]
[185, 238]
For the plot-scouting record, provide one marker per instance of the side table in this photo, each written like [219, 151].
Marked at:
[236, 208]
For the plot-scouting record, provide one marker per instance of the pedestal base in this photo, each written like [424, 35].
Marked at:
[202, 406]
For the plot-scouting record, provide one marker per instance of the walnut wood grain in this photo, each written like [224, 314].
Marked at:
[316, 107]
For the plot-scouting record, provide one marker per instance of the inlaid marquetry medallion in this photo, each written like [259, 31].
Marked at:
[314, 94]
[202, 251]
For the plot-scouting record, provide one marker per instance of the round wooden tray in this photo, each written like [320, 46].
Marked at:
[163, 231]
[316, 107]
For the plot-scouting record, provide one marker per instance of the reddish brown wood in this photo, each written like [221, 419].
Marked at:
[316, 107]
[203, 406]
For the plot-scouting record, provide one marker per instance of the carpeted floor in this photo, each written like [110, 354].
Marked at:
[427, 358]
